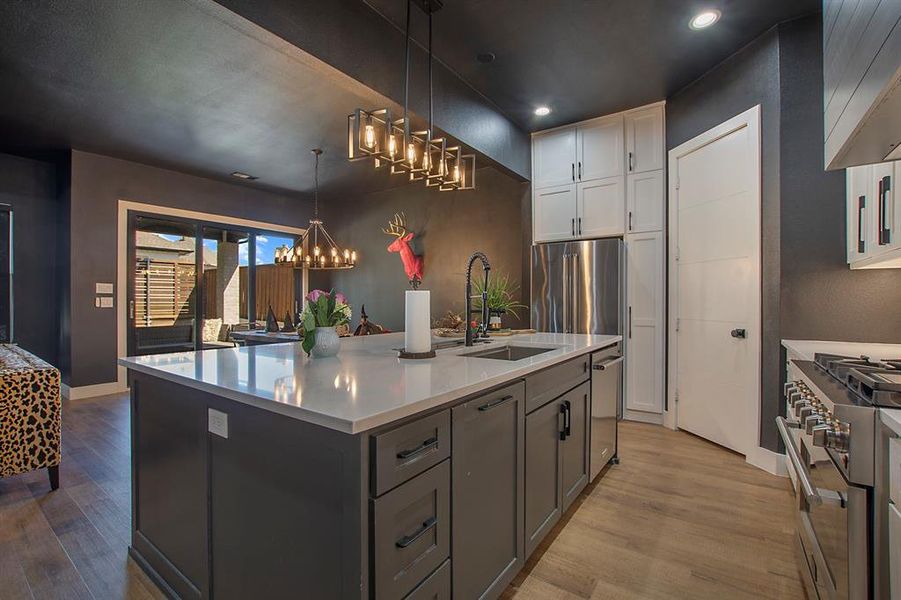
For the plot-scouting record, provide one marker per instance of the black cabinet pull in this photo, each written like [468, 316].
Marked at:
[493, 403]
[574, 227]
[630, 322]
[426, 445]
[580, 170]
[861, 243]
[580, 225]
[568, 418]
[574, 171]
[563, 427]
[409, 539]
[630, 161]
[630, 220]
[885, 230]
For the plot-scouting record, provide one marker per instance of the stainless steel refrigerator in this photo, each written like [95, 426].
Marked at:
[579, 287]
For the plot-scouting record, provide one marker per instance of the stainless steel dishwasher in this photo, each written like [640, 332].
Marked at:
[606, 396]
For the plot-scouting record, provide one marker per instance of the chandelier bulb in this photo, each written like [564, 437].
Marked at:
[411, 153]
[392, 145]
[369, 136]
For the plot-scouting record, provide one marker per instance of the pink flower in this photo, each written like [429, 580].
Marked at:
[314, 295]
[340, 298]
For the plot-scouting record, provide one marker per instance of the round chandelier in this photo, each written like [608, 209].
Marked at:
[316, 250]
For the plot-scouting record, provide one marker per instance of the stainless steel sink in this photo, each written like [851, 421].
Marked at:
[508, 352]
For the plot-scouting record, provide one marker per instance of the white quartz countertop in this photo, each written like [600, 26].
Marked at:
[366, 385]
[805, 349]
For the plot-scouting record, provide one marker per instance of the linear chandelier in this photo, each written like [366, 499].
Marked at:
[317, 250]
[375, 135]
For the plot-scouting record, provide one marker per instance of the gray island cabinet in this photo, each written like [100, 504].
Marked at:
[427, 489]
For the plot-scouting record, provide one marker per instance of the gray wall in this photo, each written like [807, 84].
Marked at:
[97, 184]
[449, 227]
[748, 78]
[808, 290]
[30, 186]
[821, 297]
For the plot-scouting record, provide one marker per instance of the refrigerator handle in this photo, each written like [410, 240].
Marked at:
[566, 298]
[573, 295]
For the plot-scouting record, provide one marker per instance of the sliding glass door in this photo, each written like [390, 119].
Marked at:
[191, 283]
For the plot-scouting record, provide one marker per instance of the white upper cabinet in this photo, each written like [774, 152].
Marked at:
[874, 216]
[600, 148]
[644, 202]
[600, 208]
[554, 158]
[859, 204]
[644, 139]
[554, 213]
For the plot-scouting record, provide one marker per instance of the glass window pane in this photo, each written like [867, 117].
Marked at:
[225, 265]
[277, 283]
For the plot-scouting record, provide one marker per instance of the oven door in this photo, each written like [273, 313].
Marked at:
[832, 522]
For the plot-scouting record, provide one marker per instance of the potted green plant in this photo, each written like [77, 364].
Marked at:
[501, 298]
[324, 311]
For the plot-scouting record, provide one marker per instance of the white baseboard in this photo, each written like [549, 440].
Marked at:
[769, 461]
[642, 417]
[92, 391]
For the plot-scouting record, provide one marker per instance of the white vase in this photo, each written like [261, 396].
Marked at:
[327, 342]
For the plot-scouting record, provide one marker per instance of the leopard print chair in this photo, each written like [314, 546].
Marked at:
[29, 414]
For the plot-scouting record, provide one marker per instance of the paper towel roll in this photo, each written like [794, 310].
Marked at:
[417, 321]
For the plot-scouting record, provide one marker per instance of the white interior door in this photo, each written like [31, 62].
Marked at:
[715, 283]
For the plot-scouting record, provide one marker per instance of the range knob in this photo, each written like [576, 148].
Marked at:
[804, 410]
[838, 439]
[814, 420]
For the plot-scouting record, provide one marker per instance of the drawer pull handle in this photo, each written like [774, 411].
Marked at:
[409, 539]
[426, 445]
[494, 403]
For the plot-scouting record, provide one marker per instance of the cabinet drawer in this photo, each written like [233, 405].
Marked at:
[544, 386]
[411, 532]
[407, 451]
[436, 587]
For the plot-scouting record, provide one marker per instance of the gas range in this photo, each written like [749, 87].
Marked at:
[876, 382]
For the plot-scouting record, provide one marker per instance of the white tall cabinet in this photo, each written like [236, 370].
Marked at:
[605, 177]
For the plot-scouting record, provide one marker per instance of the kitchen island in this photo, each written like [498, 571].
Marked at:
[258, 472]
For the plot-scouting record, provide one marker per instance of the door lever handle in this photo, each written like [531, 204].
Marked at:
[739, 333]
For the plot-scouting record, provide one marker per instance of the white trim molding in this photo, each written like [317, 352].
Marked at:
[769, 461]
[92, 391]
[754, 454]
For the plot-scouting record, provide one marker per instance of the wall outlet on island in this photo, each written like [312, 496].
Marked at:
[218, 422]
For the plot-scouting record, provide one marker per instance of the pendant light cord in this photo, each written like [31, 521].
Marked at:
[407, 78]
[430, 70]
[316, 152]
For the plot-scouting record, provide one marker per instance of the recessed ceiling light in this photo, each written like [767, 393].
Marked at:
[542, 111]
[241, 175]
[485, 57]
[705, 19]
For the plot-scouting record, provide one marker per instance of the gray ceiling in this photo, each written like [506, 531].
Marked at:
[585, 58]
[190, 85]
[184, 84]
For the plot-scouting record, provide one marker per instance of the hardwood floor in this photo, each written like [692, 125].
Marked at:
[679, 518]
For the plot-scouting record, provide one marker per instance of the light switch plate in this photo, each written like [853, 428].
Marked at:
[97, 301]
[217, 422]
[104, 288]
[106, 301]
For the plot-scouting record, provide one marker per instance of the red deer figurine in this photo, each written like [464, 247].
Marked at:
[412, 262]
